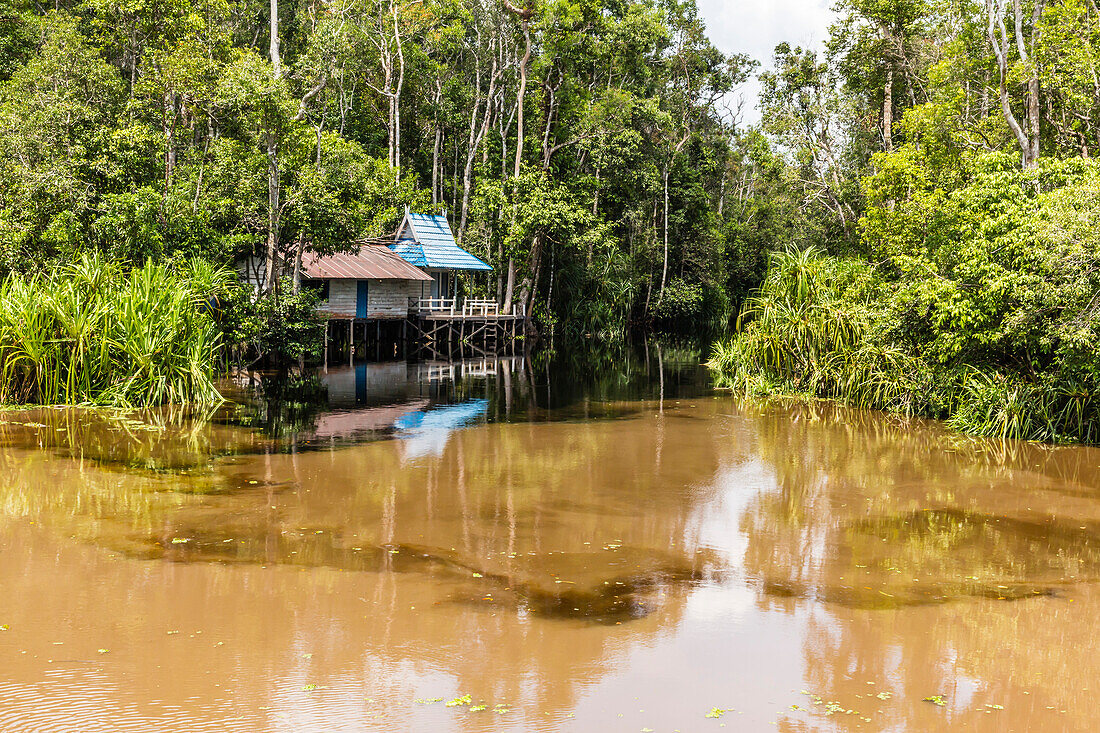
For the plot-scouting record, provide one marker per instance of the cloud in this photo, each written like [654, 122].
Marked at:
[755, 28]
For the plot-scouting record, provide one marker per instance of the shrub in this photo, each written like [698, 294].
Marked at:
[91, 332]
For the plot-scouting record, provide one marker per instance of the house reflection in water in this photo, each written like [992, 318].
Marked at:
[418, 402]
[426, 432]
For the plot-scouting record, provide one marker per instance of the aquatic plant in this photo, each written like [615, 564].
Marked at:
[94, 332]
[804, 330]
[830, 328]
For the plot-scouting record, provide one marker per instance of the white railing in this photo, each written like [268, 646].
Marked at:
[482, 368]
[437, 305]
[471, 307]
[482, 308]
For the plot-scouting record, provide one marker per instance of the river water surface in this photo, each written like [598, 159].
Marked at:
[525, 546]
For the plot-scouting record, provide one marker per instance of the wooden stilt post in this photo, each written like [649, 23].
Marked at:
[325, 356]
[351, 342]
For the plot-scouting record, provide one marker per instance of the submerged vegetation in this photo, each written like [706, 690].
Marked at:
[89, 332]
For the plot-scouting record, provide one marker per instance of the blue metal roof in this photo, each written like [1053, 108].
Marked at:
[430, 243]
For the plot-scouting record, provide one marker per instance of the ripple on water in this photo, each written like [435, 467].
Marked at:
[78, 697]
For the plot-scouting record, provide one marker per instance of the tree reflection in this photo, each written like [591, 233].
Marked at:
[932, 564]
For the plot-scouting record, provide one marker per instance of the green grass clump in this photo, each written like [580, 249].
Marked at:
[827, 327]
[93, 332]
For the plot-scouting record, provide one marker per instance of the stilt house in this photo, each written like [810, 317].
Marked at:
[402, 289]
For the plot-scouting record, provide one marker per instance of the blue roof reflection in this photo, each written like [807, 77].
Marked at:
[426, 432]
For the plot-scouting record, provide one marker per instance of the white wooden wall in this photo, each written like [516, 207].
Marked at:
[342, 295]
[385, 298]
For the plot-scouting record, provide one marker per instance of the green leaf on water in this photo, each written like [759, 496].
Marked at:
[464, 700]
[310, 688]
[5, 627]
[478, 708]
[103, 651]
[716, 713]
[935, 700]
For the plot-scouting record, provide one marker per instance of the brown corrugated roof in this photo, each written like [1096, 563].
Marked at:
[373, 262]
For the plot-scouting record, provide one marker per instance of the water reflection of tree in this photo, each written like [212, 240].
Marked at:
[909, 546]
[511, 525]
[157, 439]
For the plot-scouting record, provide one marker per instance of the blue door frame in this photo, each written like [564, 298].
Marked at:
[362, 292]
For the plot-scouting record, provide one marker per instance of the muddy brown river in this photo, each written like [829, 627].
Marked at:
[472, 549]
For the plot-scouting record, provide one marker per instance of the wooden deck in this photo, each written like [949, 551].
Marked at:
[435, 327]
[439, 325]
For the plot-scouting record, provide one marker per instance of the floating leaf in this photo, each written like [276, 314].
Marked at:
[935, 700]
[464, 700]
[716, 713]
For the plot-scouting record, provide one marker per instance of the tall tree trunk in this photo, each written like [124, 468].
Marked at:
[271, 250]
[272, 211]
[170, 148]
[664, 266]
[276, 62]
[1033, 79]
[397, 96]
[522, 94]
[525, 15]
[997, 35]
[510, 286]
[536, 271]
[299, 252]
[438, 141]
[477, 135]
[888, 112]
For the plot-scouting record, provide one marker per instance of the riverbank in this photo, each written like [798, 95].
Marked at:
[986, 317]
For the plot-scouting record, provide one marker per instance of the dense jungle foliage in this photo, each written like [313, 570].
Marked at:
[586, 148]
[927, 177]
[954, 144]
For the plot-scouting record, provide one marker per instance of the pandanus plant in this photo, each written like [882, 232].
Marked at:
[93, 332]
